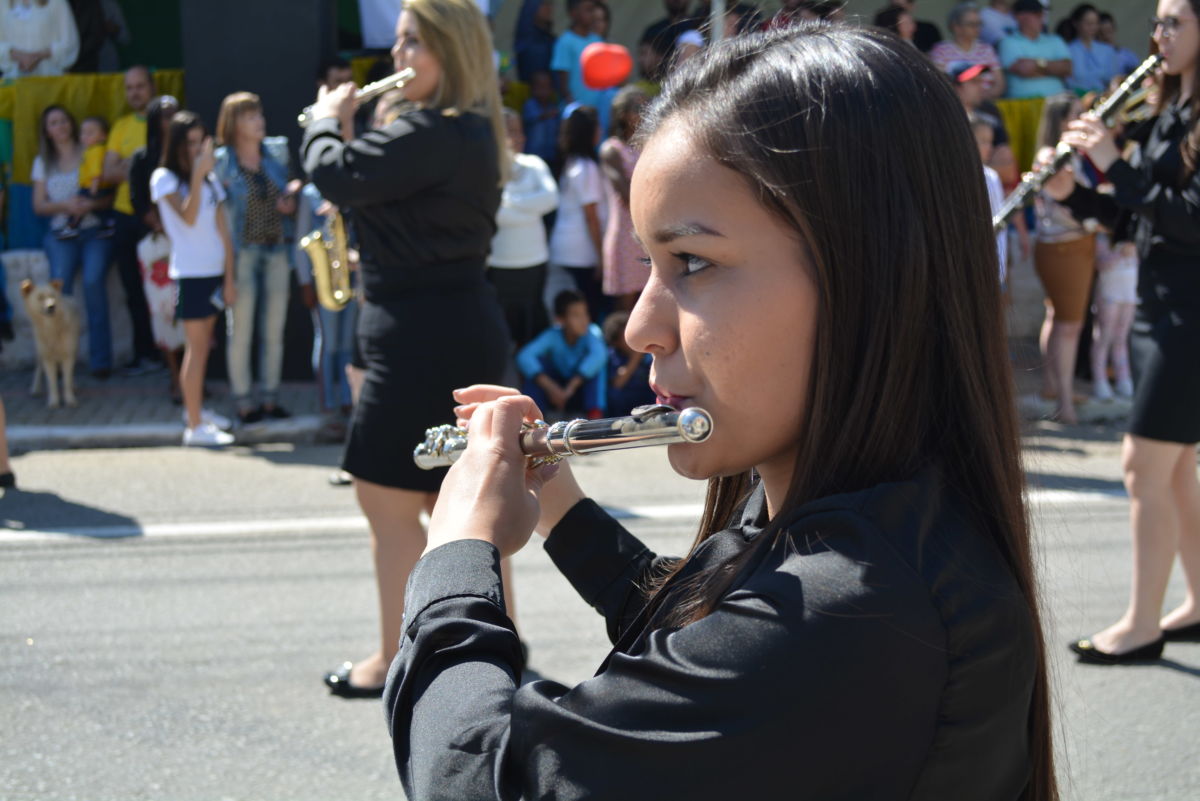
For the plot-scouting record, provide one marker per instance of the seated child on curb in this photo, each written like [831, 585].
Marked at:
[564, 366]
[628, 370]
[93, 137]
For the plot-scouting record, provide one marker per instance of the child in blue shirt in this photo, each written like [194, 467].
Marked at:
[628, 370]
[564, 366]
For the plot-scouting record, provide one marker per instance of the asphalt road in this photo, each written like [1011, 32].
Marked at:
[184, 662]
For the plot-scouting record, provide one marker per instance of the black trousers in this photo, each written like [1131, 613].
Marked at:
[520, 294]
[129, 232]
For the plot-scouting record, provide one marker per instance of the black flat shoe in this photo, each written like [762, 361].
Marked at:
[339, 684]
[1183, 634]
[8, 480]
[1092, 655]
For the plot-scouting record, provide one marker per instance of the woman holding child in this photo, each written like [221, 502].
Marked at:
[69, 248]
[861, 587]
[424, 191]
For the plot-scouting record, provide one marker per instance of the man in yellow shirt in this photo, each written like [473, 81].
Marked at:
[129, 134]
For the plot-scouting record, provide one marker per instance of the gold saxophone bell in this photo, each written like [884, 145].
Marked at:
[1138, 107]
[330, 257]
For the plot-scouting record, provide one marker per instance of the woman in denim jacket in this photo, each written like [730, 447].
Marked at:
[253, 169]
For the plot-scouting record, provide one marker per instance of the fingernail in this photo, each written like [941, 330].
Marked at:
[455, 392]
[549, 472]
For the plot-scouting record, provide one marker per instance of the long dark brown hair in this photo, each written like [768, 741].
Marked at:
[47, 149]
[1169, 88]
[175, 157]
[858, 144]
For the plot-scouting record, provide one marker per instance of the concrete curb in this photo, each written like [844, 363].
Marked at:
[301, 429]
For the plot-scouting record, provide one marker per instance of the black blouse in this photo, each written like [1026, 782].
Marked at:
[1166, 215]
[424, 192]
[880, 649]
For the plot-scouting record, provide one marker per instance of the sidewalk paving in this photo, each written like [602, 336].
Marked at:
[136, 411]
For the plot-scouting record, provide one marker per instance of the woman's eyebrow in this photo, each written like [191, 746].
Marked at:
[672, 232]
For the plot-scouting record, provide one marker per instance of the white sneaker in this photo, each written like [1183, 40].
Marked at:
[206, 435]
[1102, 390]
[1125, 388]
[209, 416]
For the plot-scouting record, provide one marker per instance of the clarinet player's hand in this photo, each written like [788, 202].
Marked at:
[489, 493]
[560, 492]
[1093, 138]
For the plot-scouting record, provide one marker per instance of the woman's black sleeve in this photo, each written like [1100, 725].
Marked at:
[1085, 203]
[412, 154]
[607, 566]
[795, 678]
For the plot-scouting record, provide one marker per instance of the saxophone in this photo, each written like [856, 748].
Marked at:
[330, 257]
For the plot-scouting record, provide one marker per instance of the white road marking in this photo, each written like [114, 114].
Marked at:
[684, 513]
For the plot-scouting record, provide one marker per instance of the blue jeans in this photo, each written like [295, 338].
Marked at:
[333, 348]
[66, 257]
[590, 395]
[265, 268]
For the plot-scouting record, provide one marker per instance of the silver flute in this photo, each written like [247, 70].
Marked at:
[1107, 112]
[368, 92]
[545, 444]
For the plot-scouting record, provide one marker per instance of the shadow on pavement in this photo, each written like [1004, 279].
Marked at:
[1180, 667]
[46, 512]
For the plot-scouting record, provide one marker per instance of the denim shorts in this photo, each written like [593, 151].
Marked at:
[194, 299]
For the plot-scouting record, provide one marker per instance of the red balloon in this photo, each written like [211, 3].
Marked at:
[605, 65]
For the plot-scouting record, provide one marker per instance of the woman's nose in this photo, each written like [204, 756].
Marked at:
[653, 322]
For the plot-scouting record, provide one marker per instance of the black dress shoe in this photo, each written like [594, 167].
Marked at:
[339, 684]
[275, 412]
[1183, 634]
[8, 480]
[1092, 655]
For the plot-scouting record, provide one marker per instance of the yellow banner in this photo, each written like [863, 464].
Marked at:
[88, 95]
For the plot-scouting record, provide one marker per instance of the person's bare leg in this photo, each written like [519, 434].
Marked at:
[397, 540]
[1107, 315]
[171, 358]
[195, 357]
[1149, 466]
[1065, 344]
[1187, 501]
[1046, 346]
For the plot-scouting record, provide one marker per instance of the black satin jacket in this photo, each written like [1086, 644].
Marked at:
[1166, 221]
[879, 649]
[424, 192]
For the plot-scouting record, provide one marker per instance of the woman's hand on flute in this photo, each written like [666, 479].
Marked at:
[490, 493]
[1092, 138]
[336, 103]
[560, 491]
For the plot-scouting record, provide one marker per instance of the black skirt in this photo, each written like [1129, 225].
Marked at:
[416, 351]
[1164, 347]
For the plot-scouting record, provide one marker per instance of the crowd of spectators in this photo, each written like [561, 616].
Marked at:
[564, 223]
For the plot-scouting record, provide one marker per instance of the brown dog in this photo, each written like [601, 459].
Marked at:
[56, 333]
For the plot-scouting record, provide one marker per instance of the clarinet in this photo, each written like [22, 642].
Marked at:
[1107, 112]
[546, 444]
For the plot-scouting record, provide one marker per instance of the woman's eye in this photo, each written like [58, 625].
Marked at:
[693, 264]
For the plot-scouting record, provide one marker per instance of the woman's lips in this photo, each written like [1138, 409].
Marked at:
[674, 401]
